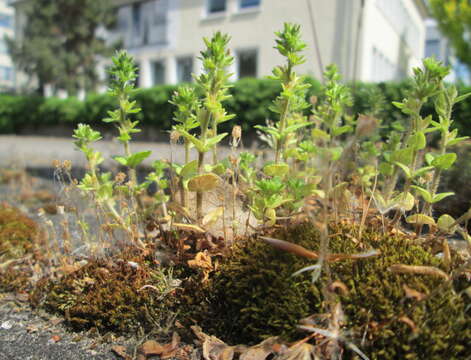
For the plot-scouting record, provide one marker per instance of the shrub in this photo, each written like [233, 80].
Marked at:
[250, 101]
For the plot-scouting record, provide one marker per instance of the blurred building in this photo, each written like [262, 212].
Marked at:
[369, 40]
[7, 72]
[439, 46]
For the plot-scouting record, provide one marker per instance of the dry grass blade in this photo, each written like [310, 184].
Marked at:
[421, 270]
[189, 227]
[446, 254]
[290, 247]
[302, 251]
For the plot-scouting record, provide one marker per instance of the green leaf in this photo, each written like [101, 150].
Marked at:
[219, 168]
[462, 97]
[418, 141]
[211, 142]
[320, 134]
[403, 156]
[404, 201]
[137, 158]
[426, 195]
[406, 169]
[422, 171]
[335, 152]
[441, 196]
[444, 161]
[295, 127]
[420, 219]
[336, 131]
[429, 158]
[279, 169]
[199, 145]
[386, 169]
[121, 159]
[457, 140]
[189, 169]
[445, 224]
[269, 130]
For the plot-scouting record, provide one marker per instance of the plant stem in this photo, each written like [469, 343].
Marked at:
[280, 144]
[199, 194]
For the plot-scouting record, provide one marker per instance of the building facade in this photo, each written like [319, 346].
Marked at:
[439, 46]
[7, 72]
[369, 40]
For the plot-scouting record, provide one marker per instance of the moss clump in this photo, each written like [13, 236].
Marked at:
[124, 295]
[18, 235]
[253, 295]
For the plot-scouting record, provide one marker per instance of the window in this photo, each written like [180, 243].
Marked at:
[158, 73]
[432, 48]
[138, 74]
[6, 73]
[216, 6]
[136, 18]
[249, 3]
[6, 20]
[184, 69]
[247, 63]
[3, 47]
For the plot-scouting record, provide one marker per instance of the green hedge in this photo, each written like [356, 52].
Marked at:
[250, 102]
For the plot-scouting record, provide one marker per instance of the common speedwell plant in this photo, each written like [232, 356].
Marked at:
[213, 84]
[101, 186]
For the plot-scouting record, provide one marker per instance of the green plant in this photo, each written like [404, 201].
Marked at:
[101, 186]
[213, 85]
[292, 100]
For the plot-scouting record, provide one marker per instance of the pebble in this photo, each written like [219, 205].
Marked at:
[6, 325]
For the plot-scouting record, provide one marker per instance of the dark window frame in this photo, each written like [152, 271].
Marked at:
[186, 78]
[247, 52]
[216, 6]
[249, 4]
[154, 64]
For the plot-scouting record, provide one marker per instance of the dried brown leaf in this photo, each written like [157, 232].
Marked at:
[413, 294]
[202, 261]
[151, 348]
[338, 285]
[121, 352]
[260, 351]
[421, 270]
[409, 322]
[213, 348]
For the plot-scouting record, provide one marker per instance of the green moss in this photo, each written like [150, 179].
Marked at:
[253, 295]
[109, 294]
[18, 235]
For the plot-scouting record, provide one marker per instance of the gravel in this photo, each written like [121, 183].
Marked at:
[27, 335]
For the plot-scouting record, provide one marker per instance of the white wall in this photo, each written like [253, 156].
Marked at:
[6, 65]
[254, 28]
[393, 42]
